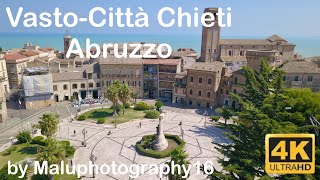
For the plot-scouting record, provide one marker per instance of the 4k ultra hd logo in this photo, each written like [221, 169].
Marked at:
[290, 153]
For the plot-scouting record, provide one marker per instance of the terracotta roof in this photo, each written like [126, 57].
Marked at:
[14, 56]
[29, 53]
[275, 38]
[245, 42]
[207, 66]
[162, 61]
[301, 67]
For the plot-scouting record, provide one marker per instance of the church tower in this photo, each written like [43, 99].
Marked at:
[210, 50]
[66, 43]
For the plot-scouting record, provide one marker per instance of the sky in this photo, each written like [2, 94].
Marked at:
[287, 18]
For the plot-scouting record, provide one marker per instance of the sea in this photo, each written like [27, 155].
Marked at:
[306, 46]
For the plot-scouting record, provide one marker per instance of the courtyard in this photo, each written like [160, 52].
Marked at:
[109, 144]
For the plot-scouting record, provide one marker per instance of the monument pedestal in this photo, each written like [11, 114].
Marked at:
[160, 143]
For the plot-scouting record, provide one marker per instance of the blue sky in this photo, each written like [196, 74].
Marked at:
[250, 17]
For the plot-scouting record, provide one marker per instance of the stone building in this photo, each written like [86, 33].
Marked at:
[77, 83]
[15, 62]
[180, 88]
[127, 71]
[302, 74]
[203, 81]
[4, 88]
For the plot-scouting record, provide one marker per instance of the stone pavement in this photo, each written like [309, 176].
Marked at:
[119, 146]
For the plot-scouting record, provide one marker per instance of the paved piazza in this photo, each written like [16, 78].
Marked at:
[119, 146]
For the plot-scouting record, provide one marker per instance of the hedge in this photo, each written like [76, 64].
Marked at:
[159, 154]
[101, 121]
[24, 137]
[141, 106]
[82, 118]
[215, 118]
[127, 105]
[152, 114]
[38, 140]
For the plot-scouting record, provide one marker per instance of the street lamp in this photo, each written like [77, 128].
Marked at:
[93, 159]
[84, 132]
[115, 119]
[205, 118]
[11, 138]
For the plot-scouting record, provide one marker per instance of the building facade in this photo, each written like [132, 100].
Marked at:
[15, 62]
[4, 88]
[203, 81]
[128, 71]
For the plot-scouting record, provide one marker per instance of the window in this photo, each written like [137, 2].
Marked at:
[227, 92]
[102, 83]
[199, 93]
[74, 86]
[190, 91]
[65, 87]
[90, 76]
[200, 80]
[191, 79]
[236, 80]
[296, 78]
[55, 87]
[310, 78]
[208, 94]
[139, 83]
[241, 53]
[83, 85]
[221, 91]
[131, 72]
[230, 53]
[209, 81]
[90, 85]
[98, 84]
[281, 53]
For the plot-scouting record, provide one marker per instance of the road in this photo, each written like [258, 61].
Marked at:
[14, 125]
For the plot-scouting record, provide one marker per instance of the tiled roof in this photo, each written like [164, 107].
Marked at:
[29, 53]
[275, 38]
[245, 42]
[46, 49]
[207, 66]
[14, 56]
[301, 67]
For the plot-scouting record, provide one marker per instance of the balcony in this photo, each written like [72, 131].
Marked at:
[180, 85]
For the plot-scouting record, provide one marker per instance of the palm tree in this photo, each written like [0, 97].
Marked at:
[178, 157]
[124, 94]
[48, 124]
[53, 152]
[113, 94]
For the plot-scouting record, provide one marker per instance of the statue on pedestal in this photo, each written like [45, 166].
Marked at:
[160, 143]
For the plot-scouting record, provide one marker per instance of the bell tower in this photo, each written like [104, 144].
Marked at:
[210, 50]
[66, 43]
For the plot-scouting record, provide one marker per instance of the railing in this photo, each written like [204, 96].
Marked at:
[180, 85]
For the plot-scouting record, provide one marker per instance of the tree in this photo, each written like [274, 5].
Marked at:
[113, 95]
[264, 110]
[225, 112]
[53, 152]
[24, 137]
[48, 124]
[158, 105]
[124, 94]
[178, 157]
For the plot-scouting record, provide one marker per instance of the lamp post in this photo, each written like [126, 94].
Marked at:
[115, 119]
[11, 138]
[205, 118]
[182, 133]
[93, 159]
[84, 132]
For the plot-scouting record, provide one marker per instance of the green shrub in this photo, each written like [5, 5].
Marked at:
[82, 118]
[141, 106]
[318, 117]
[215, 118]
[152, 114]
[68, 148]
[5, 176]
[8, 151]
[127, 105]
[101, 121]
[158, 154]
[38, 140]
[158, 105]
[24, 137]
[151, 107]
